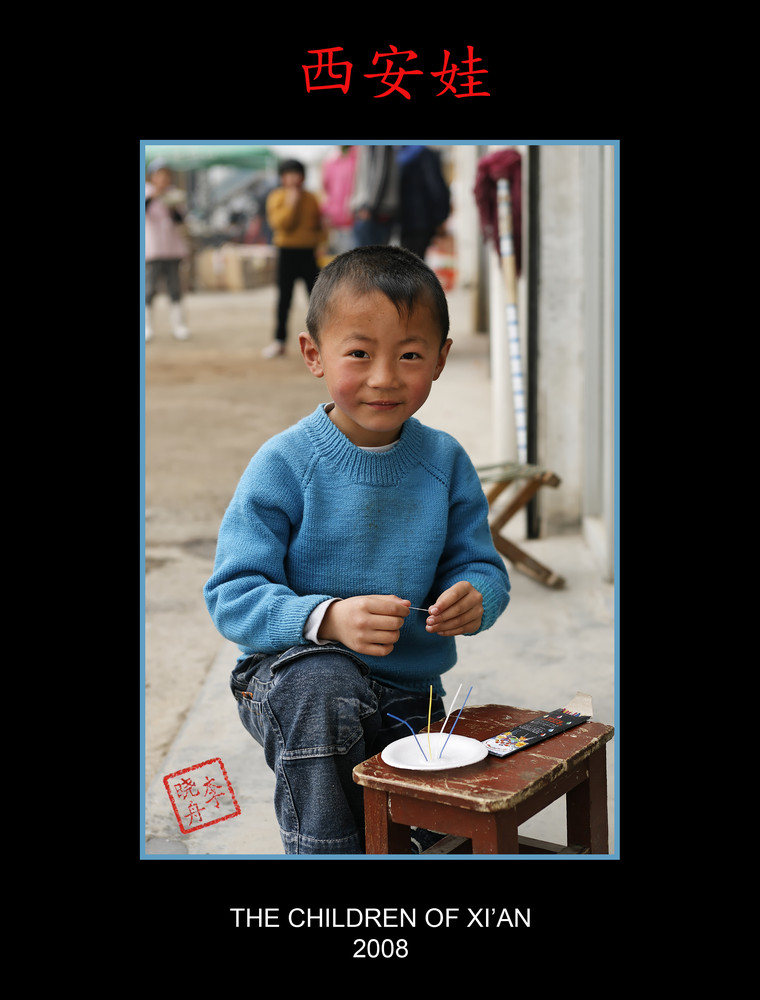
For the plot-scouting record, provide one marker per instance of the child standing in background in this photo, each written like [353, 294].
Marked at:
[165, 246]
[296, 223]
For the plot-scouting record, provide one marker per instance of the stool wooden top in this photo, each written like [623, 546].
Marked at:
[495, 783]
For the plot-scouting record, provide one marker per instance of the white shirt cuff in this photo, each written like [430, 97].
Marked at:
[314, 621]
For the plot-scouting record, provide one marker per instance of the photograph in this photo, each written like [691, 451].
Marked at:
[380, 512]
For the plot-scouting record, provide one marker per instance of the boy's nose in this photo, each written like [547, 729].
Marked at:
[383, 375]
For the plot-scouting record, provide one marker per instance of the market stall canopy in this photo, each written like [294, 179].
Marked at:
[200, 157]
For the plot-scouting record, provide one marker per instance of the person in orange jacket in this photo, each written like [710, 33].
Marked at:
[296, 221]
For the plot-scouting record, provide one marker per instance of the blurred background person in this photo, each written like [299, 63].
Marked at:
[425, 200]
[258, 229]
[297, 230]
[338, 173]
[376, 194]
[165, 246]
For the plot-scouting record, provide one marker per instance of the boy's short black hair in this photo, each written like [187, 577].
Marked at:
[291, 167]
[399, 274]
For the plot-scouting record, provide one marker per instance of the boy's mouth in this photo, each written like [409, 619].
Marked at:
[381, 404]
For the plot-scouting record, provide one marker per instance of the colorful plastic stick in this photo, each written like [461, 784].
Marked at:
[454, 726]
[451, 708]
[411, 730]
[430, 708]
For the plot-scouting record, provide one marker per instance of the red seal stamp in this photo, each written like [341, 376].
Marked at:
[201, 795]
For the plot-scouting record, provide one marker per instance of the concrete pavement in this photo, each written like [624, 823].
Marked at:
[547, 646]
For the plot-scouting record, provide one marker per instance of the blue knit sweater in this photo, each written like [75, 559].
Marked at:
[315, 517]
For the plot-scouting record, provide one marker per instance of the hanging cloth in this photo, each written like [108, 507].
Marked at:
[506, 163]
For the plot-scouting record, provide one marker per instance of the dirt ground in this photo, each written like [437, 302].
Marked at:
[210, 402]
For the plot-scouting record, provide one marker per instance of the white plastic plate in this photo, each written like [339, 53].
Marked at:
[460, 751]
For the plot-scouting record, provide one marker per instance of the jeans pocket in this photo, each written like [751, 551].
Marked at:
[244, 673]
[249, 682]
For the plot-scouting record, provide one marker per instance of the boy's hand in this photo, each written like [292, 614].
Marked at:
[457, 611]
[370, 625]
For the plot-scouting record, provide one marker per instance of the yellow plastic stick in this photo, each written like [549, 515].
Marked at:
[430, 708]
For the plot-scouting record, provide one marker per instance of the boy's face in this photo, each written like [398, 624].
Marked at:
[379, 366]
[292, 179]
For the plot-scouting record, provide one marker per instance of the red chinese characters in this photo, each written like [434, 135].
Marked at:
[327, 66]
[389, 71]
[458, 79]
[452, 72]
[201, 795]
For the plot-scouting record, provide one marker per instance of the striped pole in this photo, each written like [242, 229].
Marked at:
[507, 254]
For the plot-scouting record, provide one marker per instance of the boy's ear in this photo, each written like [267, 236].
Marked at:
[442, 359]
[310, 353]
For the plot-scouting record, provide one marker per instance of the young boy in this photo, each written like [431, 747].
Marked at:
[339, 526]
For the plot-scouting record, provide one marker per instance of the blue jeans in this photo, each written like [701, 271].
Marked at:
[318, 713]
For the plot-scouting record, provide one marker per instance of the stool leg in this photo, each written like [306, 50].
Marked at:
[530, 566]
[523, 496]
[522, 561]
[587, 807]
[495, 833]
[382, 835]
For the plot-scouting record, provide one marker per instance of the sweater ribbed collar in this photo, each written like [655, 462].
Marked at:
[385, 468]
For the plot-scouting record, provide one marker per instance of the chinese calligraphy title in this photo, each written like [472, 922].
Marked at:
[457, 79]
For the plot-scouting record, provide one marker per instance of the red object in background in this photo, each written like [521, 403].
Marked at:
[507, 164]
[441, 257]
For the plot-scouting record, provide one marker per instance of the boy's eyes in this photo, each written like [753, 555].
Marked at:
[408, 356]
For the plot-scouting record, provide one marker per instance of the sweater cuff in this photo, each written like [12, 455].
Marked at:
[495, 601]
[287, 618]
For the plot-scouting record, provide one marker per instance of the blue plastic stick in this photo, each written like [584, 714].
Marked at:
[455, 722]
[412, 731]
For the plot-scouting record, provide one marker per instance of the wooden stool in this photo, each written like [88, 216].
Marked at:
[483, 804]
[502, 476]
